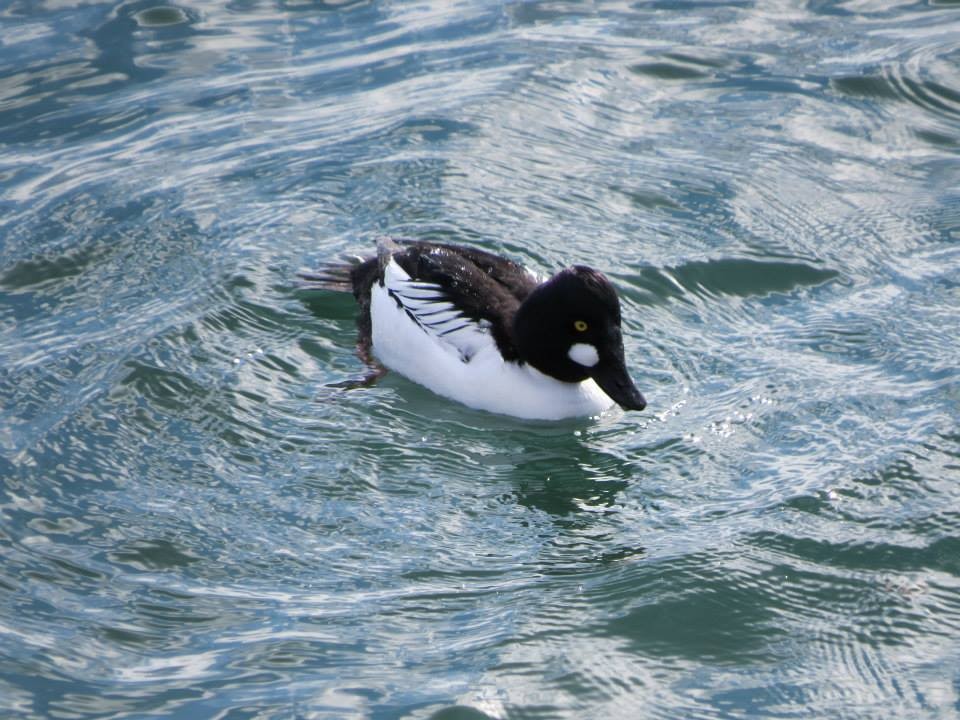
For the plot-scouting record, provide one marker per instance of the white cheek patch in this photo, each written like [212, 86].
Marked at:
[583, 354]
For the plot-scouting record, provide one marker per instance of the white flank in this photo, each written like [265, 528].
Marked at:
[485, 380]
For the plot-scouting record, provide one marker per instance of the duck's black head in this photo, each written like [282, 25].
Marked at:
[569, 328]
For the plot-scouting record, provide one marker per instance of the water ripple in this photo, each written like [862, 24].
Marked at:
[196, 521]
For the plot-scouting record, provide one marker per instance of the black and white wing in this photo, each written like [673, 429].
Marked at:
[433, 310]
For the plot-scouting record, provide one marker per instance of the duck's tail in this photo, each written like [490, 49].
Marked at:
[354, 274]
[334, 276]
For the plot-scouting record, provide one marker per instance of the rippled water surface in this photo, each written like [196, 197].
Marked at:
[195, 521]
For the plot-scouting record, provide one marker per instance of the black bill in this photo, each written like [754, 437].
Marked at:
[612, 377]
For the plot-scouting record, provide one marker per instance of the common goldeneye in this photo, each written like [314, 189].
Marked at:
[482, 330]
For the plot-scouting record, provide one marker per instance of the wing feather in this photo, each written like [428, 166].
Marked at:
[433, 310]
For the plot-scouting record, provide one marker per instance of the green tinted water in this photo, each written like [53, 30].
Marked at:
[195, 522]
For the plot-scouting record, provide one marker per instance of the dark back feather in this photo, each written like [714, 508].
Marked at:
[482, 285]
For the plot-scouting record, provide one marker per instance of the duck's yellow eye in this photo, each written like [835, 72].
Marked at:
[579, 326]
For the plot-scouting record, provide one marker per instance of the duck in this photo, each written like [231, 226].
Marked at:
[482, 330]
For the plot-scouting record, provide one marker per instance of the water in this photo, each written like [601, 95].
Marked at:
[194, 523]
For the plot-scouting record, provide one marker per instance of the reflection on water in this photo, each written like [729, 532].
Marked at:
[198, 520]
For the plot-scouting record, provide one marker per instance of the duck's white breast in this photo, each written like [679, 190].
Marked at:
[486, 381]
